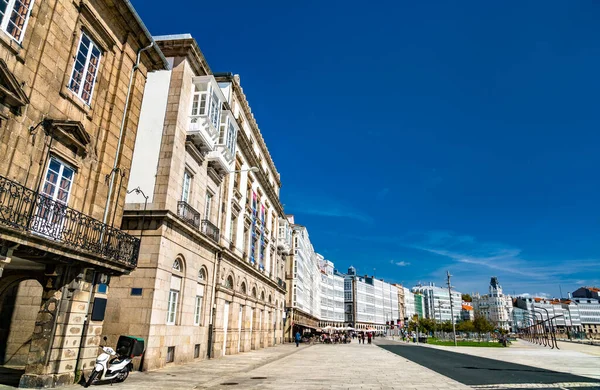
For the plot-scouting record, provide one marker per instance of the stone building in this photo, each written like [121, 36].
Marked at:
[72, 76]
[204, 197]
[495, 306]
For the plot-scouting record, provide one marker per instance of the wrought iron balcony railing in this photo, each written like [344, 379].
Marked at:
[26, 210]
[210, 230]
[188, 214]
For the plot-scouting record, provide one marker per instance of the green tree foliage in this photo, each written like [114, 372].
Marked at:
[465, 326]
[467, 298]
[482, 325]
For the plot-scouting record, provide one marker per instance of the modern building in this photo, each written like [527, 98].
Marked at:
[204, 199]
[303, 278]
[495, 306]
[72, 76]
[419, 304]
[589, 315]
[332, 295]
[370, 303]
[467, 313]
[564, 314]
[436, 301]
[410, 307]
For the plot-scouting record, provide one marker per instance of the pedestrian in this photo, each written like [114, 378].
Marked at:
[297, 339]
[369, 337]
[363, 337]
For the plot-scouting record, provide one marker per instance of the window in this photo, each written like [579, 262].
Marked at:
[85, 68]
[173, 303]
[214, 111]
[229, 282]
[243, 288]
[196, 351]
[14, 16]
[187, 181]
[208, 205]
[177, 265]
[202, 275]
[198, 310]
[56, 190]
[170, 354]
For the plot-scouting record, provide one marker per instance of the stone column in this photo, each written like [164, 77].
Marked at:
[55, 343]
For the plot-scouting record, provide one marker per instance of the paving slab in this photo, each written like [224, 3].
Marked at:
[340, 366]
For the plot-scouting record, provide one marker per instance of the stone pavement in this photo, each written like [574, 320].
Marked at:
[577, 359]
[345, 366]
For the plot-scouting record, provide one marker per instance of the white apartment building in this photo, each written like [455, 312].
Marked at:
[495, 306]
[332, 295]
[303, 280]
[565, 314]
[436, 302]
[410, 308]
[589, 312]
[370, 302]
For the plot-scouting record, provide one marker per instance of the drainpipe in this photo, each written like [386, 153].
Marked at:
[121, 132]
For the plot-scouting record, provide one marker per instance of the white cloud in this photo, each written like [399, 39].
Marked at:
[400, 263]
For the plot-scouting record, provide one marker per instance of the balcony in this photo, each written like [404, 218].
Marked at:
[220, 159]
[27, 211]
[202, 133]
[188, 214]
[210, 230]
[205, 118]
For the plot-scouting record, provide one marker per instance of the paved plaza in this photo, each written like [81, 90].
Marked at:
[400, 366]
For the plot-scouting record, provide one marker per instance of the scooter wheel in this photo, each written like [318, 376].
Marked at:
[91, 379]
[122, 375]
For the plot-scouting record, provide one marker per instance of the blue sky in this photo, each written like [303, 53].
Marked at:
[416, 137]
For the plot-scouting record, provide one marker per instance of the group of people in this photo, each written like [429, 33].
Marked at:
[335, 338]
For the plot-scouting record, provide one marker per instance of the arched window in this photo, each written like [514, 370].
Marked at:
[229, 282]
[202, 275]
[262, 295]
[243, 288]
[270, 298]
[254, 292]
[177, 266]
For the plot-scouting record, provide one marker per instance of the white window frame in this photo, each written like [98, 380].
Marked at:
[172, 306]
[187, 186]
[208, 205]
[60, 173]
[198, 309]
[6, 19]
[93, 44]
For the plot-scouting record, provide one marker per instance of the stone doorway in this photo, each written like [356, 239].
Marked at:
[19, 306]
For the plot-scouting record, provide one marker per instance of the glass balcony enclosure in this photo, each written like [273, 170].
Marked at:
[205, 115]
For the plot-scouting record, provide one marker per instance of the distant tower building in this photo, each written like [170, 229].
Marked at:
[495, 306]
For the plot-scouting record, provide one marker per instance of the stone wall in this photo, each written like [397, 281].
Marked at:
[25, 306]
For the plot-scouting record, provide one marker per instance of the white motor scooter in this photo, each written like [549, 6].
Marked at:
[116, 370]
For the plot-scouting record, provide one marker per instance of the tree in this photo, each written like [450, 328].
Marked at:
[465, 326]
[467, 298]
[482, 325]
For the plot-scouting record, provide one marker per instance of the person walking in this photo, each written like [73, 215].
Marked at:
[363, 337]
[369, 337]
[297, 339]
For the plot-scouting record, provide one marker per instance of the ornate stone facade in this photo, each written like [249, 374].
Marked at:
[209, 278]
[66, 137]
